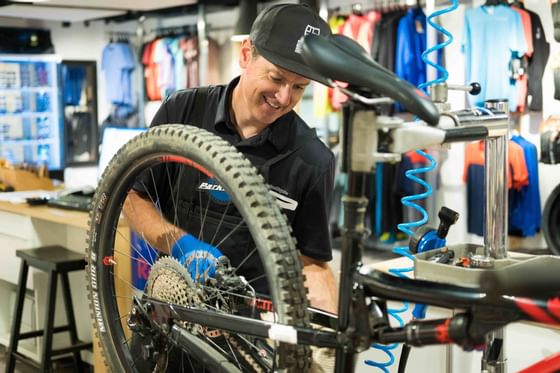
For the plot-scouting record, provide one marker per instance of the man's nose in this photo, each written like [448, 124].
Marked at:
[284, 95]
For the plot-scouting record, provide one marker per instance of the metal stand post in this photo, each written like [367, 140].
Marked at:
[495, 228]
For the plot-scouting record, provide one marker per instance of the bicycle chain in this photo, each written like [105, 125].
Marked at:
[246, 355]
[169, 281]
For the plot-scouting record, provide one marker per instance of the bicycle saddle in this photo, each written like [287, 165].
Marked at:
[340, 58]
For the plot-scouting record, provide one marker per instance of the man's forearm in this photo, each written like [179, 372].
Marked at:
[323, 292]
[147, 221]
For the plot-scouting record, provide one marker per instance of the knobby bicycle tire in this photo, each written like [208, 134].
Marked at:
[267, 226]
[551, 220]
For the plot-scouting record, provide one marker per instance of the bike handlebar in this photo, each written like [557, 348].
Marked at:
[340, 58]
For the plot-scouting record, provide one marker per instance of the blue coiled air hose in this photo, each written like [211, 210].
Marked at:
[410, 201]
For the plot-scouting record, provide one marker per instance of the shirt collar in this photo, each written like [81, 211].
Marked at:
[278, 133]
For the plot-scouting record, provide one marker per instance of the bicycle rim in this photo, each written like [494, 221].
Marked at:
[113, 255]
[551, 217]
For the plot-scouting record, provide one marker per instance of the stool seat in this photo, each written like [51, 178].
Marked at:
[57, 261]
[53, 258]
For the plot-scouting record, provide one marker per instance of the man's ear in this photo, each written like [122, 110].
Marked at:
[245, 53]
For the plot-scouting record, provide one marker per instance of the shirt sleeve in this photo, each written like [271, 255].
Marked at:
[467, 162]
[311, 223]
[161, 116]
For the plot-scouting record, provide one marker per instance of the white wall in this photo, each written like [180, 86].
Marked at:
[80, 42]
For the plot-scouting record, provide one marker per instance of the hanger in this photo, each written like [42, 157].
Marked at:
[357, 9]
[496, 2]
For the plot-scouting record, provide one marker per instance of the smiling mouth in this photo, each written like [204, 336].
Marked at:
[270, 104]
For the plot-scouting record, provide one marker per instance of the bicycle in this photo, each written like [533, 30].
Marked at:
[238, 322]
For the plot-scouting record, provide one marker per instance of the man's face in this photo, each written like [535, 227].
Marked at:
[267, 90]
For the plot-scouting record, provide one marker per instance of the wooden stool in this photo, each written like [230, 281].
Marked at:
[56, 260]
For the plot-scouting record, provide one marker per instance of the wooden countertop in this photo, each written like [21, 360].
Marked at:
[72, 218]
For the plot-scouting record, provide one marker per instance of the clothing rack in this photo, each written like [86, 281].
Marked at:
[189, 30]
[383, 5]
[496, 2]
[120, 36]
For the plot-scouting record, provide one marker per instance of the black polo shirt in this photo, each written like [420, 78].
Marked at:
[302, 181]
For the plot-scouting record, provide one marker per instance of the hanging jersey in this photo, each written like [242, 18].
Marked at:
[517, 177]
[411, 42]
[522, 81]
[491, 35]
[525, 204]
[117, 63]
[537, 62]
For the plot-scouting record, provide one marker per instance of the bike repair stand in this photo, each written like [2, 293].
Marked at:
[494, 252]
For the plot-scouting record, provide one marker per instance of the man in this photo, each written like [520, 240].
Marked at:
[254, 112]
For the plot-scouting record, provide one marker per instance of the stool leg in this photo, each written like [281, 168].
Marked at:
[18, 311]
[49, 321]
[71, 320]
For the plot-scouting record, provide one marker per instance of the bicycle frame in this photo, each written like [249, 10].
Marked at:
[363, 293]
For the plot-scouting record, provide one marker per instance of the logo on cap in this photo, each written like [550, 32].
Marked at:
[308, 30]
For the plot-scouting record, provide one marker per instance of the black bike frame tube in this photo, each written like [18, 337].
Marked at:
[161, 312]
[351, 256]
[386, 286]
[379, 284]
[208, 356]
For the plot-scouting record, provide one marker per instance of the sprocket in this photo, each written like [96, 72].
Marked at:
[169, 281]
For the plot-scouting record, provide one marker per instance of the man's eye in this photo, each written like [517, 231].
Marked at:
[299, 87]
[276, 79]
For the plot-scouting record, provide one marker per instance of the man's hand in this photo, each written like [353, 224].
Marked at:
[198, 257]
[321, 283]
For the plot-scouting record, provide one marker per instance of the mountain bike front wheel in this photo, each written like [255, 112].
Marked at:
[228, 206]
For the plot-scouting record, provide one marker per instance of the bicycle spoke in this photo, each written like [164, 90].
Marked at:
[230, 233]
[235, 288]
[245, 259]
[233, 353]
[220, 223]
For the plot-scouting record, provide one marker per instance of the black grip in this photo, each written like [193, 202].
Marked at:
[469, 133]
[475, 88]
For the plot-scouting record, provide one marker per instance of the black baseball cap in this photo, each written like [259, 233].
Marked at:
[278, 32]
